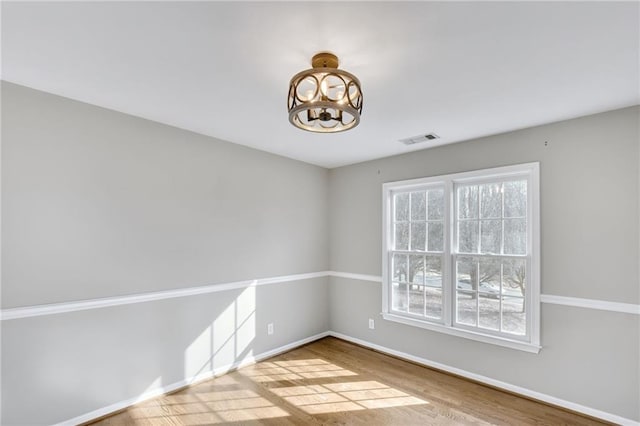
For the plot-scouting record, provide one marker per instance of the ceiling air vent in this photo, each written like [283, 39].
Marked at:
[420, 139]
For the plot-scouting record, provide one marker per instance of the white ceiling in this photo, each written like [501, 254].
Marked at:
[461, 70]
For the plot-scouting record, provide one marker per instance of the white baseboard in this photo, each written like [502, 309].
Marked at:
[188, 381]
[492, 382]
[403, 355]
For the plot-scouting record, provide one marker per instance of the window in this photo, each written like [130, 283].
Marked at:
[461, 254]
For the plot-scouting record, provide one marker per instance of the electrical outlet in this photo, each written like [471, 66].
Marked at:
[372, 324]
[270, 328]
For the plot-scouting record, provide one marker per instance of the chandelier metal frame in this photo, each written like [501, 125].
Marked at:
[324, 99]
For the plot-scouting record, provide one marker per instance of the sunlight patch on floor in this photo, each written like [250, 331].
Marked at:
[294, 370]
[204, 408]
[349, 396]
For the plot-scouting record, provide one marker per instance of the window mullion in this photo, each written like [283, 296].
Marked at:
[502, 220]
[500, 297]
[448, 278]
[424, 285]
[409, 245]
[406, 277]
[426, 221]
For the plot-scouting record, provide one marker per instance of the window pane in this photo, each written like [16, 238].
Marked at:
[399, 268]
[515, 199]
[466, 308]
[467, 273]
[435, 236]
[418, 206]
[402, 236]
[399, 297]
[489, 311]
[418, 235]
[416, 269]
[416, 299]
[467, 202]
[489, 276]
[515, 236]
[436, 204]
[491, 236]
[513, 315]
[491, 200]
[401, 203]
[433, 269]
[434, 302]
[468, 237]
[514, 279]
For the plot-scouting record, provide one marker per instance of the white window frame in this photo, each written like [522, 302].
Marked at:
[531, 171]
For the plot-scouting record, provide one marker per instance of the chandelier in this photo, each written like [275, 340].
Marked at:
[325, 99]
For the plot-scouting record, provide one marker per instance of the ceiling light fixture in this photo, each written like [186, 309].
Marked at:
[325, 99]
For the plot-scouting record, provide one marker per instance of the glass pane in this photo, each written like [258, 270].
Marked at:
[515, 236]
[490, 236]
[433, 302]
[416, 269]
[489, 277]
[436, 204]
[467, 274]
[401, 203]
[515, 199]
[468, 237]
[433, 269]
[416, 299]
[491, 200]
[418, 206]
[513, 315]
[467, 202]
[466, 308]
[514, 279]
[399, 297]
[489, 312]
[418, 237]
[435, 236]
[399, 268]
[402, 236]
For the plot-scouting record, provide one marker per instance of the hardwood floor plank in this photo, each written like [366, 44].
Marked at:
[334, 382]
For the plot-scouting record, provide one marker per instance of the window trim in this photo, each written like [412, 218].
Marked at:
[447, 325]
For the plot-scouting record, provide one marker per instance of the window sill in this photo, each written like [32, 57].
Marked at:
[494, 340]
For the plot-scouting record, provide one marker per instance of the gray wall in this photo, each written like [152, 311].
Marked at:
[589, 220]
[108, 204]
[95, 204]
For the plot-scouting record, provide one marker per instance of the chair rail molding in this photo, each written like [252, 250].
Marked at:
[8, 314]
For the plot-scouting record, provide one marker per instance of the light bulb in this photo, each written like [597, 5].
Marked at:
[309, 94]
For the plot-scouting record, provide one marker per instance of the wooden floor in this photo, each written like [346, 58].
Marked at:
[332, 382]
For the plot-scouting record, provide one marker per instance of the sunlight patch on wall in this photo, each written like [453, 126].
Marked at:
[227, 340]
[197, 357]
[224, 328]
[245, 323]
